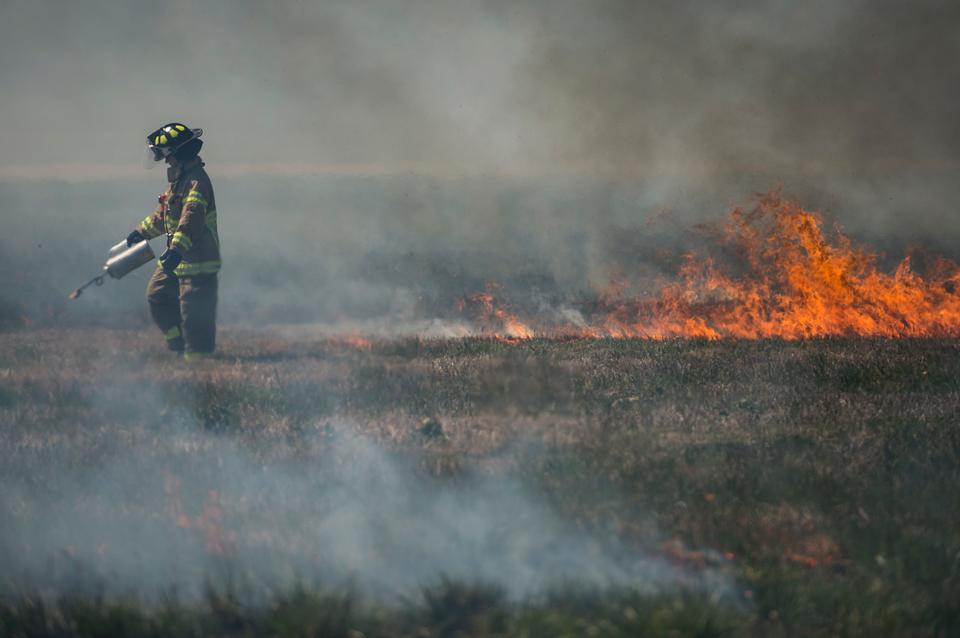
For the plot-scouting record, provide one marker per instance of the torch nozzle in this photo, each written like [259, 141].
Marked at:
[98, 280]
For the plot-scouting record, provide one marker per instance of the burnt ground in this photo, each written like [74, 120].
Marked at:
[792, 488]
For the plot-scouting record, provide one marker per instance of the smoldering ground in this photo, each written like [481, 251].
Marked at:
[125, 508]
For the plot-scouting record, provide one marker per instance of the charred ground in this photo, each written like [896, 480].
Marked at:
[817, 478]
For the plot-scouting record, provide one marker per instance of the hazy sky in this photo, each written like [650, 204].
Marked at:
[450, 85]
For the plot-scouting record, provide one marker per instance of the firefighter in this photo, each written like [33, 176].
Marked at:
[182, 293]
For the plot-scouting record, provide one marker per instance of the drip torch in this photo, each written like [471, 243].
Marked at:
[121, 261]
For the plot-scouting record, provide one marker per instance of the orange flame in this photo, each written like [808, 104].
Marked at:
[352, 341]
[792, 282]
[796, 284]
[209, 523]
[494, 318]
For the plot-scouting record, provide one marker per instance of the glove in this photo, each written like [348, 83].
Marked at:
[134, 238]
[170, 259]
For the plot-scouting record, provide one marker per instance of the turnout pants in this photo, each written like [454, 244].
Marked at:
[185, 310]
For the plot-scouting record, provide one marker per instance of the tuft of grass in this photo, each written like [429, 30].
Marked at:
[448, 608]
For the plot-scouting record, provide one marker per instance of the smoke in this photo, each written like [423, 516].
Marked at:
[637, 86]
[753, 87]
[158, 511]
[372, 160]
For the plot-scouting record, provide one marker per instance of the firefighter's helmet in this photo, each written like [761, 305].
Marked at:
[165, 141]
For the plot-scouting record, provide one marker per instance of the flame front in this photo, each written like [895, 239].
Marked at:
[790, 282]
[795, 284]
[494, 318]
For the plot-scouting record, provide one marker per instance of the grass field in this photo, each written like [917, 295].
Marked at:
[700, 488]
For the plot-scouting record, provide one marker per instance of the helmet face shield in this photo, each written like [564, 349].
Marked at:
[151, 157]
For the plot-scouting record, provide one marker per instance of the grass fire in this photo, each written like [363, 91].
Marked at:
[763, 442]
[480, 319]
[782, 277]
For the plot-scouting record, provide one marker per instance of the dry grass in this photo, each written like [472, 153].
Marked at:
[827, 471]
